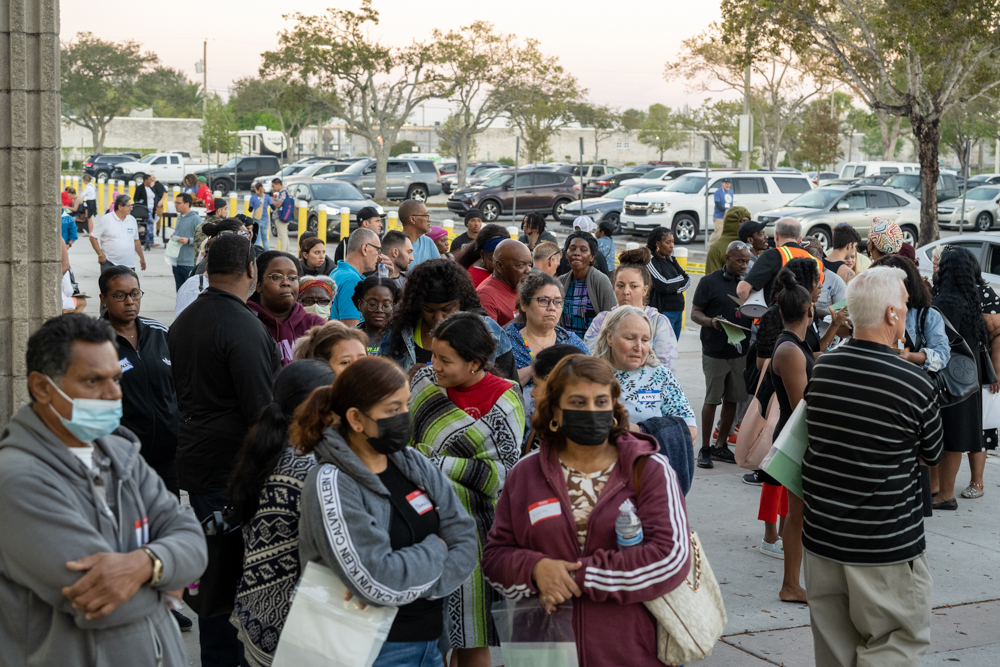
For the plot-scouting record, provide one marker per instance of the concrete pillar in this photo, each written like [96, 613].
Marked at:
[30, 270]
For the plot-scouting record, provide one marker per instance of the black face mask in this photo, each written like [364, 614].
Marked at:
[587, 427]
[394, 433]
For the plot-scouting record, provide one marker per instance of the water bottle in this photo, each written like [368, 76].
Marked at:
[628, 528]
[383, 271]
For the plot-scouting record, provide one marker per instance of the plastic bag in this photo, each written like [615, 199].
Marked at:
[173, 248]
[991, 409]
[531, 638]
[323, 630]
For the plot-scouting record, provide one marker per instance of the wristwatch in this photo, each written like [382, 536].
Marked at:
[157, 567]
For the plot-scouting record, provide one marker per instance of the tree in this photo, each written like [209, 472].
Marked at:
[482, 67]
[660, 129]
[822, 137]
[540, 104]
[714, 61]
[632, 120]
[717, 122]
[170, 94]
[99, 82]
[909, 58]
[449, 144]
[968, 122]
[602, 119]
[293, 104]
[401, 147]
[218, 132]
[378, 86]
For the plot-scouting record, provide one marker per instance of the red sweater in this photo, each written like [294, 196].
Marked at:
[614, 583]
[287, 332]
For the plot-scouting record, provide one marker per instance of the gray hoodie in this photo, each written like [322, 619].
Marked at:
[345, 526]
[52, 515]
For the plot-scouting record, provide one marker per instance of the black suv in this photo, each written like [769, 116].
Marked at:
[101, 165]
[947, 185]
[545, 192]
[240, 172]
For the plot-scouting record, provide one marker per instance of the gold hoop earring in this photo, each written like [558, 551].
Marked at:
[553, 426]
[615, 419]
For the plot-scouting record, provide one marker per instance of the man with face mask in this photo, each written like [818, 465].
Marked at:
[73, 485]
[223, 361]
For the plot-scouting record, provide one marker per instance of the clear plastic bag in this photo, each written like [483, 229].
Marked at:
[529, 637]
[323, 630]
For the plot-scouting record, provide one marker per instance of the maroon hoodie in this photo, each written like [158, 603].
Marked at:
[534, 520]
[286, 333]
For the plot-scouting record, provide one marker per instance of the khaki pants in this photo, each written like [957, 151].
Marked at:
[869, 616]
[282, 228]
[717, 232]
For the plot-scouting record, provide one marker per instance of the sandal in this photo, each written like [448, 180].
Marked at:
[971, 493]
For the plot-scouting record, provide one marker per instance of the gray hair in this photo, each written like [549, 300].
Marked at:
[869, 294]
[357, 240]
[788, 228]
[602, 350]
[121, 200]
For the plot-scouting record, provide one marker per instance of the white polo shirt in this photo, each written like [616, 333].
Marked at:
[117, 238]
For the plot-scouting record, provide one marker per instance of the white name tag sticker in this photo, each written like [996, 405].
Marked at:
[544, 509]
[650, 396]
[125, 364]
[419, 501]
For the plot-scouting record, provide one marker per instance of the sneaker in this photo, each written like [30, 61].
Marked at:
[723, 454]
[752, 478]
[183, 621]
[776, 550]
[705, 458]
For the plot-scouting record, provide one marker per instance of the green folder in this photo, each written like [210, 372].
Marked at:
[734, 333]
[784, 461]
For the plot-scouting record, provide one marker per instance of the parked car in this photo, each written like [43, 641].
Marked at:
[859, 169]
[545, 192]
[822, 209]
[585, 172]
[947, 185]
[602, 184]
[317, 170]
[983, 179]
[482, 175]
[817, 176]
[680, 206]
[667, 174]
[985, 247]
[102, 165]
[642, 168]
[239, 172]
[405, 179]
[315, 158]
[167, 167]
[321, 193]
[981, 209]
[874, 179]
[285, 172]
[609, 206]
[450, 181]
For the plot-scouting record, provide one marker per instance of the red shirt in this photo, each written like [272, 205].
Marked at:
[499, 299]
[480, 398]
[67, 199]
[478, 275]
[204, 194]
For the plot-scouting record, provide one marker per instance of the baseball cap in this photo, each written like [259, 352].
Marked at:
[749, 228]
[367, 213]
[203, 179]
[585, 223]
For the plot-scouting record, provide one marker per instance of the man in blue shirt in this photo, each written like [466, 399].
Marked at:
[416, 223]
[187, 222]
[363, 250]
[69, 231]
[723, 202]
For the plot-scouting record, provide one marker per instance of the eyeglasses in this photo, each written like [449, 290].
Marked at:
[740, 245]
[375, 305]
[278, 278]
[420, 215]
[546, 301]
[316, 300]
[136, 294]
[372, 245]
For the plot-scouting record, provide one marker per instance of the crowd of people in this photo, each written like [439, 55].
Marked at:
[411, 412]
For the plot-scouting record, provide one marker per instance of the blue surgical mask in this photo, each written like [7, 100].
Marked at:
[92, 418]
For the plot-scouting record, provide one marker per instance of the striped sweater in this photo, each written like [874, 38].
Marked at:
[871, 415]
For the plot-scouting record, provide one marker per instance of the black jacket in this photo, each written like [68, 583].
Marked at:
[669, 283]
[223, 363]
[328, 266]
[149, 402]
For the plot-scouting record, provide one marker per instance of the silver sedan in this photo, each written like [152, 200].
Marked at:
[982, 208]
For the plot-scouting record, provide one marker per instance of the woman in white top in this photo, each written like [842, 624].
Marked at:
[649, 389]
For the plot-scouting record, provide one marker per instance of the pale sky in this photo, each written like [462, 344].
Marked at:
[617, 52]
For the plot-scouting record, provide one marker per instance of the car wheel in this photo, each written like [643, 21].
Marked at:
[417, 192]
[910, 235]
[102, 174]
[615, 219]
[222, 186]
[490, 210]
[824, 236]
[984, 222]
[557, 209]
[685, 229]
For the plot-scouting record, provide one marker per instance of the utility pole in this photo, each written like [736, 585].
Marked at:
[204, 80]
[746, 113]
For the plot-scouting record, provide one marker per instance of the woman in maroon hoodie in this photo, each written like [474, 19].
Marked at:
[554, 531]
[275, 301]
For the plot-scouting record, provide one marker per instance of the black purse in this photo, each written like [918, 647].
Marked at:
[986, 370]
[959, 379]
[215, 593]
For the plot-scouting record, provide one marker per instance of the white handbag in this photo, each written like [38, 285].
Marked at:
[692, 617]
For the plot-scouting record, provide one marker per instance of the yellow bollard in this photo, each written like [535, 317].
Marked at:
[512, 231]
[321, 223]
[100, 195]
[303, 216]
[131, 190]
[393, 220]
[681, 255]
[345, 225]
[449, 226]
[233, 203]
[111, 195]
[246, 205]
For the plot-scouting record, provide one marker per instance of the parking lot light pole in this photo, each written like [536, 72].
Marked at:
[517, 152]
[581, 175]
[708, 156]
[965, 190]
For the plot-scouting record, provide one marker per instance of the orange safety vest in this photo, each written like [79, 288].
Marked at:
[790, 253]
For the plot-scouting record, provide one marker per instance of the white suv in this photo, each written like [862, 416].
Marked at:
[680, 207]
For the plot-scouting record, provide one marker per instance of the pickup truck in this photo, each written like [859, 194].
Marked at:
[167, 167]
[240, 172]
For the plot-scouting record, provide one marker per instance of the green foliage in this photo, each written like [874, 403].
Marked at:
[169, 93]
[632, 120]
[450, 141]
[506, 161]
[294, 105]
[602, 119]
[401, 147]
[719, 123]
[541, 103]
[660, 130]
[251, 119]
[218, 132]
[821, 137]
[630, 164]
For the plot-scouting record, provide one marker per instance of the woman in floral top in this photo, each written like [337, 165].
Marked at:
[649, 389]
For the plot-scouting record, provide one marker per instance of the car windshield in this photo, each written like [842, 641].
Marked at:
[982, 194]
[981, 178]
[623, 191]
[149, 158]
[291, 169]
[334, 190]
[230, 165]
[655, 173]
[356, 167]
[905, 181]
[496, 179]
[818, 198]
[689, 185]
